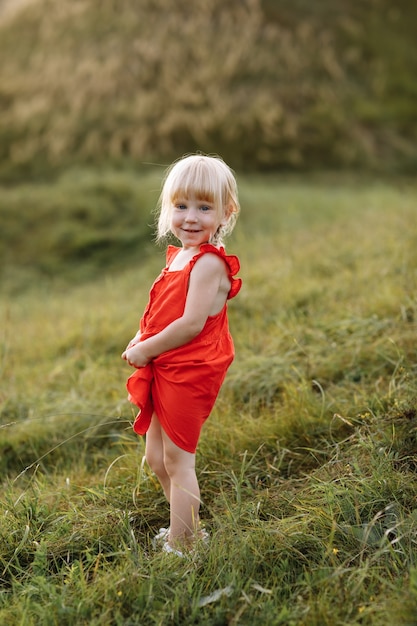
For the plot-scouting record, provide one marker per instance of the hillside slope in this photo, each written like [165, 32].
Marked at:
[269, 85]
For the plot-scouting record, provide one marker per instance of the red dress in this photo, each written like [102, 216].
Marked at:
[181, 385]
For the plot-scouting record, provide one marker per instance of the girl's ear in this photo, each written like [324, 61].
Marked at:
[228, 210]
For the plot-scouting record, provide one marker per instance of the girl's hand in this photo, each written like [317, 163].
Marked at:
[133, 341]
[135, 356]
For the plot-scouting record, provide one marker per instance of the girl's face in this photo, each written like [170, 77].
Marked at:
[194, 221]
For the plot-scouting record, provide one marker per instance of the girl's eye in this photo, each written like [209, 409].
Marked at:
[181, 206]
[205, 208]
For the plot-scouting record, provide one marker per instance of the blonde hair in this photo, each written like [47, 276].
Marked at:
[209, 179]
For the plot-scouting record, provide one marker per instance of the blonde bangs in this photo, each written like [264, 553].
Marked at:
[196, 179]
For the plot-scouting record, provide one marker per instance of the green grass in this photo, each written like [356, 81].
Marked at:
[307, 464]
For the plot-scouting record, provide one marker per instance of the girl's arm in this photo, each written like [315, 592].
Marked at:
[207, 294]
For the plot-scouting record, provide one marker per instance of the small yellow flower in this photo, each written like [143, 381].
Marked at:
[120, 593]
[335, 550]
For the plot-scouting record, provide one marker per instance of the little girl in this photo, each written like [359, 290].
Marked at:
[183, 348]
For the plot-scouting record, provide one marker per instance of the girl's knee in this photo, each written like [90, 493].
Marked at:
[178, 463]
[170, 465]
[154, 452]
[155, 461]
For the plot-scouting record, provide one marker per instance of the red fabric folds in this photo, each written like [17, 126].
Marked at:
[181, 385]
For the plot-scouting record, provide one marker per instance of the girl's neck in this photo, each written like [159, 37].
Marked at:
[183, 257]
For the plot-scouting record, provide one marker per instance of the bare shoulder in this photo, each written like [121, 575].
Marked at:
[210, 263]
[211, 269]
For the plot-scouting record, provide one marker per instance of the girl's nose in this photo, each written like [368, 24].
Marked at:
[191, 215]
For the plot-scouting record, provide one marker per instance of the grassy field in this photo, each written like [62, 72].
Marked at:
[308, 462]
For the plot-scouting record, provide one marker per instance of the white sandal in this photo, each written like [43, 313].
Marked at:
[170, 550]
[202, 536]
[162, 535]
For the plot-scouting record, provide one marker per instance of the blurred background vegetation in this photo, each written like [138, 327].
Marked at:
[268, 84]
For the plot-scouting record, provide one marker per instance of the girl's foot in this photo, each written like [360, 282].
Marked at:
[170, 550]
[201, 536]
[162, 535]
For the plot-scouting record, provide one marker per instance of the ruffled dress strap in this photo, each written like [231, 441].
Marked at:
[232, 262]
[171, 253]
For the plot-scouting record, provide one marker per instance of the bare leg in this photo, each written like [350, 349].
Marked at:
[155, 455]
[184, 495]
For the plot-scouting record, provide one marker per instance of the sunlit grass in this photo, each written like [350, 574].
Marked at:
[307, 464]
